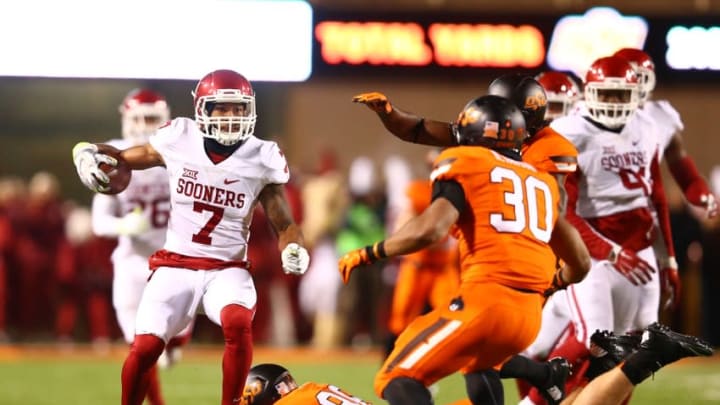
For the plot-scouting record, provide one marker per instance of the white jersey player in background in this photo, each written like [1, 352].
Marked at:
[681, 165]
[218, 171]
[562, 93]
[138, 217]
[610, 201]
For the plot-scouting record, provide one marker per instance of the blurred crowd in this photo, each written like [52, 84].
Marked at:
[56, 276]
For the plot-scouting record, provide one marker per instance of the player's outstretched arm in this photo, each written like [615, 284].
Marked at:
[419, 232]
[686, 175]
[142, 157]
[406, 125]
[423, 230]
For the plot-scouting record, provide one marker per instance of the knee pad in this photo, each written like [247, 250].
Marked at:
[405, 390]
[485, 388]
[147, 347]
[236, 321]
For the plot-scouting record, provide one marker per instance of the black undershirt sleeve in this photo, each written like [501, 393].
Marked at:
[452, 191]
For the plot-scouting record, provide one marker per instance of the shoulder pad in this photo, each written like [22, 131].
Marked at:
[662, 112]
[274, 160]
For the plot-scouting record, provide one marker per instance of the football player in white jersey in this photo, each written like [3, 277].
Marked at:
[610, 201]
[138, 217]
[218, 171]
[681, 165]
[562, 93]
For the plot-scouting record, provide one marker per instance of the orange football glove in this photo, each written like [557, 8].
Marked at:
[375, 101]
[352, 260]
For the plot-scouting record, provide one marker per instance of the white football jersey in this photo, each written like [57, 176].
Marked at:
[147, 190]
[666, 119]
[614, 167]
[212, 204]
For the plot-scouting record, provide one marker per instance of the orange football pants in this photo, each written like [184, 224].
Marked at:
[486, 324]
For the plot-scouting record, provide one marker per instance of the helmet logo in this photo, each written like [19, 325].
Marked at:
[535, 101]
[469, 116]
[252, 389]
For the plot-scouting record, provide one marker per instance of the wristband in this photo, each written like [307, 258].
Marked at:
[614, 252]
[83, 145]
[376, 251]
[670, 262]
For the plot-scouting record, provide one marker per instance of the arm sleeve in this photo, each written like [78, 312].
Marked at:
[598, 247]
[105, 220]
[661, 206]
[452, 191]
[688, 178]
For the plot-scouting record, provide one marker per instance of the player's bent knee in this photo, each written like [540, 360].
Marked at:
[147, 346]
[235, 320]
[405, 390]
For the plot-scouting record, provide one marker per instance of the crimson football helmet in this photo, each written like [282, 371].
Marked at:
[611, 91]
[493, 122]
[266, 383]
[561, 90]
[143, 111]
[644, 67]
[225, 86]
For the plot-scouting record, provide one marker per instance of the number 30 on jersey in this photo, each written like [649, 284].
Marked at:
[524, 193]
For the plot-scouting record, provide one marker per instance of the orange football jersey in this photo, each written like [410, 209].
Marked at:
[511, 209]
[549, 151]
[319, 394]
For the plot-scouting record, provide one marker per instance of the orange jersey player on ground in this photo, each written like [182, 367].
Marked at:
[503, 213]
[272, 384]
[312, 393]
[428, 277]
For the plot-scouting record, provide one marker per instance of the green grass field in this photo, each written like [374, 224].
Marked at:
[45, 376]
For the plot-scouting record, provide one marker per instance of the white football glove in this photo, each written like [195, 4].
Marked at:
[133, 223]
[711, 205]
[87, 161]
[295, 259]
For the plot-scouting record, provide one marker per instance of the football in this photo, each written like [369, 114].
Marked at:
[120, 174]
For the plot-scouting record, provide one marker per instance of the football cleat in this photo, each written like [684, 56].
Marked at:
[554, 391]
[608, 349]
[671, 346]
